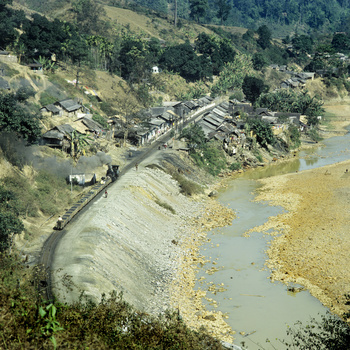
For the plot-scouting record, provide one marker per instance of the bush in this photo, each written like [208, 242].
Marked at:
[331, 333]
[48, 195]
[235, 166]
[165, 206]
[294, 136]
[46, 99]
[110, 324]
[263, 132]
[107, 108]
[314, 135]
[187, 187]
[102, 121]
[26, 201]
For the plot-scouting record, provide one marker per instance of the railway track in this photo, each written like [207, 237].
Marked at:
[44, 280]
[44, 275]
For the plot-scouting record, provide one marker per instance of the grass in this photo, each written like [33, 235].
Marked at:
[235, 166]
[165, 206]
[188, 187]
[45, 193]
[9, 71]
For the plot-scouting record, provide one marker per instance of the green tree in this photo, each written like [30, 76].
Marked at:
[8, 26]
[233, 73]
[264, 40]
[14, 118]
[294, 135]
[78, 143]
[220, 51]
[302, 43]
[224, 9]
[253, 87]
[42, 37]
[183, 60]
[135, 59]
[330, 333]
[198, 9]
[87, 16]
[259, 61]
[195, 136]
[293, 101]
[263, 132]
[341, 42]
[10, 223]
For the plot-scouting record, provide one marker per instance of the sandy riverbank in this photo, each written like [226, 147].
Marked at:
[313, 242]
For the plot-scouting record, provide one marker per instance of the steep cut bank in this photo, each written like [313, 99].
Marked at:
[142, 241]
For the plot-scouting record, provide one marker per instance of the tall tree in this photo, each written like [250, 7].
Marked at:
[302, 43]
[224, 9]
[253, 87]
[135, 59]
[183, 60]
[87, 16]
[264, 40]
[10, 223]
[175, 13]
[198, 9]
[14, 118]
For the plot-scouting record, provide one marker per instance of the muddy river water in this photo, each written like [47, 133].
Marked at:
[258, 309]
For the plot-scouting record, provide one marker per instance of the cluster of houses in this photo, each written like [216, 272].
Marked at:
[224, 122]
[60, 136]
[296, 80]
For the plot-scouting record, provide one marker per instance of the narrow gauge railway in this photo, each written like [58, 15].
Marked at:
[43, 278]
[48, 250]
[111, 176]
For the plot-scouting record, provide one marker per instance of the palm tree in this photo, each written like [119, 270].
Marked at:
[79, 143]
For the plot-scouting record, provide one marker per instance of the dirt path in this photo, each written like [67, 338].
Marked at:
[313, 249]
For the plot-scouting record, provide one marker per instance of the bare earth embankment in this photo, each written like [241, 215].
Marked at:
[314, 242]
[142, 240]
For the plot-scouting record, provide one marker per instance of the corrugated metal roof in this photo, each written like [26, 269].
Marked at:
[53, 134]
[66, 129]
[225, 105]
[157, 121]
[69, 105]
[91, 124]
[52, 108]
[218, 119]
[219, 112]
[172, 103]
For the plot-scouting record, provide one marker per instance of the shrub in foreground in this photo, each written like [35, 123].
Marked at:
[27, 322]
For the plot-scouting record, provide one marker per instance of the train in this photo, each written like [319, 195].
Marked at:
[111, 176]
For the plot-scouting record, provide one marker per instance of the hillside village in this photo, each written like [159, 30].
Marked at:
[221, 121]
[173, 104]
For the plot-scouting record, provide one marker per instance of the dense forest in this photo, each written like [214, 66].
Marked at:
[301, 15]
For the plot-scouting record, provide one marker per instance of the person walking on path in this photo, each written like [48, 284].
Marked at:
[106, 194]
[136, 166]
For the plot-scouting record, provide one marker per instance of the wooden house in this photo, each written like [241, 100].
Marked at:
[69, 107]
[50, 111]
[59, 137]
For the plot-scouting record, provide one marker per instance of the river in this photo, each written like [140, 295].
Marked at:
[256, 308]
